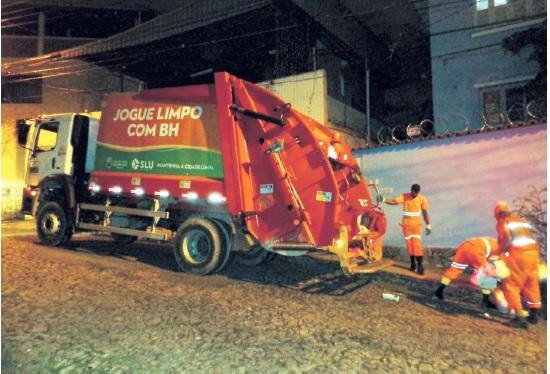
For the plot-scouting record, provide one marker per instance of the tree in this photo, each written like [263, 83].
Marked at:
[536, 37]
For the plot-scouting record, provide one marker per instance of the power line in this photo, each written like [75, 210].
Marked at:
[164, 28]
[149, 53]
[15, 3]
[17, 11]
[105, 61]
[378, 11]
[4, 20]
[36, 20]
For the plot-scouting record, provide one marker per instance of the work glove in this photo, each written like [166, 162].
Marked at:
[380, 198]
[428, 229]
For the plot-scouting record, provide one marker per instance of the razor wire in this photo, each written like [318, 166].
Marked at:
[533, 112]
[536, 109]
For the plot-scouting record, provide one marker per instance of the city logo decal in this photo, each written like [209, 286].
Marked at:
[142, 164]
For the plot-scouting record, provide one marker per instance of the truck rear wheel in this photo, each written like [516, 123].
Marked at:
[52, 225]
[227, 242]
[198, 247]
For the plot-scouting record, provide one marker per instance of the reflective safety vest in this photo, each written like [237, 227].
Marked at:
[412, 207]
[521, 232]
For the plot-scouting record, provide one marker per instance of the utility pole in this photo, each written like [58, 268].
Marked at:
[41, 33]
[367, 99]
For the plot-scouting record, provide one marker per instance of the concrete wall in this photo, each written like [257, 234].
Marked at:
[308, 94]
[462, 177]
[467, 60]
[78, 93]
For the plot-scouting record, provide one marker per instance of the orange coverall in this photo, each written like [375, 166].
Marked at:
[412, 221]
[473, 252]
[522, 257]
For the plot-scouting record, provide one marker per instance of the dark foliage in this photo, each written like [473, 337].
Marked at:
[536, 37]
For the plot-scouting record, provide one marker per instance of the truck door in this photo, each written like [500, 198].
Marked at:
[52, 150]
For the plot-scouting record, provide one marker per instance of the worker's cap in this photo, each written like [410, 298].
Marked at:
[501, 207]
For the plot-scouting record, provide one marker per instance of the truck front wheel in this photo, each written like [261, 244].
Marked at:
[52, 225]
[198, 247]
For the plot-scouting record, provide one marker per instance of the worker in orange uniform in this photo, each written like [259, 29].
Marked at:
[414, 204]
[473, 252]
[522, 256]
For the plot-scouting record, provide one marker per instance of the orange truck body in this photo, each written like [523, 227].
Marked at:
[282, 175]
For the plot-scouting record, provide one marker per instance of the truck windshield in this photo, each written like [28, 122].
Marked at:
[46, 137]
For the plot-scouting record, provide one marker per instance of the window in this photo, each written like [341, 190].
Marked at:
[495, 11]
[491, 107]
[506, 102]
[482, 5]
[517, 99]
[17, 90]
[342, 85]
[46, 137]
[491, 11]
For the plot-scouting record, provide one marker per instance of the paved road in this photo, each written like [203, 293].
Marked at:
[93, 306]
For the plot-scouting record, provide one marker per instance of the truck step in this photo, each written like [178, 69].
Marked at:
[291, 246]
[367, 268]
[123, 231]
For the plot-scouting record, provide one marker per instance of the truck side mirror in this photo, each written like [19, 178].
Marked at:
[22, 132]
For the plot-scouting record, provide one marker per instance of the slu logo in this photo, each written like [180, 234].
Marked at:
[140, 164]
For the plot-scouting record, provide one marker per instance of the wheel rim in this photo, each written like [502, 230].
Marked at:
[51, 224]
[196, 246]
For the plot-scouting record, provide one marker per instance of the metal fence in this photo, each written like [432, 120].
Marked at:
[533, 112]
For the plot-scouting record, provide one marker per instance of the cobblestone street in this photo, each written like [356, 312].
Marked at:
[93, 306]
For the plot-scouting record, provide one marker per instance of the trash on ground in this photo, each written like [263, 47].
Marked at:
[390, 297]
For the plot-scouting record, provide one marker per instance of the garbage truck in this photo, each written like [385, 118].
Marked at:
[223, 170]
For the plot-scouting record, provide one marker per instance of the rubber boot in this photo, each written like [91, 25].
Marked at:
[420, 266]
[533, 316]
[413, 264]
[518, 323]
[487, 303]
[439, 292]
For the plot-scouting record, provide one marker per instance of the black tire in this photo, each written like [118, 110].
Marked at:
[256, 256]
[123, 239]
[198, 247]
[53, 226]
[227, 242]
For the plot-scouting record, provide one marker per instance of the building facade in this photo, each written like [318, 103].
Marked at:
[31, 31]
[475, 80]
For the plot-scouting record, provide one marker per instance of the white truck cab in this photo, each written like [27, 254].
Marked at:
[60, 145]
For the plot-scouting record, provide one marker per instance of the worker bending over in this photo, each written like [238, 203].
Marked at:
[522, 256]
[473, 252]
[414, 204]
